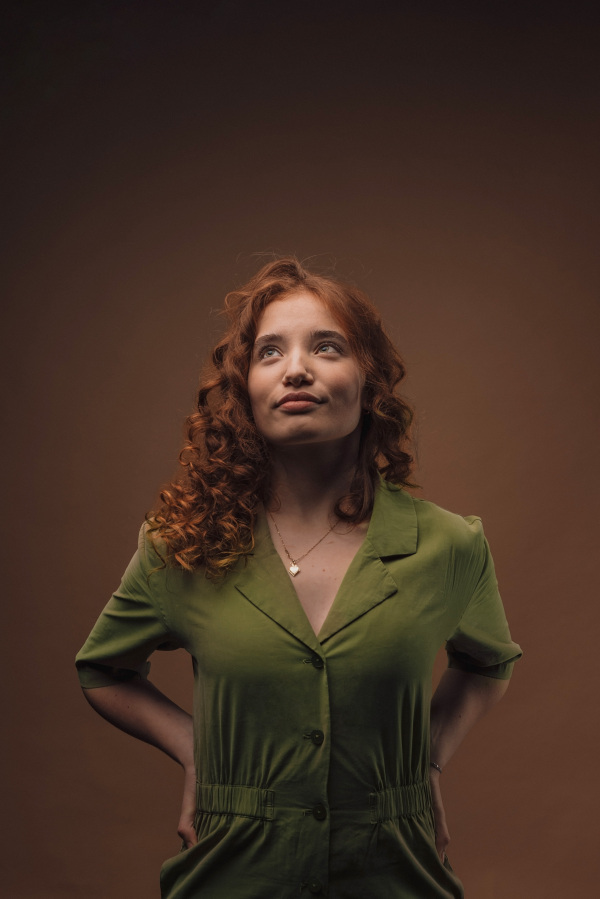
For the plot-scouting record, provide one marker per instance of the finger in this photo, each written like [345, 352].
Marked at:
[187, 833]
[442, 841]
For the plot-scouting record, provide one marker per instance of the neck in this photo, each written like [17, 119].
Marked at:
[307, 481]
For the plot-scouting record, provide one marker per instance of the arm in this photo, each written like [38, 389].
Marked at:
[460, 700]
[138, 708]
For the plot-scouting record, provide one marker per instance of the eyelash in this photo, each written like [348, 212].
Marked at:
[332, 344]
[263, 352]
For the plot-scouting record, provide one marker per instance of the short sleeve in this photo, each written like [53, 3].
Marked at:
[130, 627]
[481, 642]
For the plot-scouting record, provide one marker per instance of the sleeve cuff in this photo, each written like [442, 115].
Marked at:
[92, 675]
[501, 671]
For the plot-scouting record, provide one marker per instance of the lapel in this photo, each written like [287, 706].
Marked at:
[265, 582]
[392, 532]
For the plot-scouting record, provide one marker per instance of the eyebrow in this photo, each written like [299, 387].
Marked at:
[265, 339]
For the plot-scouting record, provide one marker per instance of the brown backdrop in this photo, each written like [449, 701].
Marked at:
[442, 155]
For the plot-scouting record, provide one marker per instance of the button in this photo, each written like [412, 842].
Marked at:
[317, 736]
[318, 661]
[319, 811]
[314, 886]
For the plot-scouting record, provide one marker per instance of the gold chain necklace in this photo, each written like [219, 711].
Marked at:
[294, 569]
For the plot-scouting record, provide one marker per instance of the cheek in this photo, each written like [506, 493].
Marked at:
[348, 394]
[260, 396]
[350, 384]
[254, 388]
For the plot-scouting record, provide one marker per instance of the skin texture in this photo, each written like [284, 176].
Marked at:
[460, 700]
[301, 351]
[300, 347]
[314, 446]
[141, 710]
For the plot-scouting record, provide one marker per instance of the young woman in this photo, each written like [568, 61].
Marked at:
[312, 592]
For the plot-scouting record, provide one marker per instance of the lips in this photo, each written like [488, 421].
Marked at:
[297, 401]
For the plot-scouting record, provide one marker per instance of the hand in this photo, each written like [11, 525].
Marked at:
[442, 836]
[185, 828]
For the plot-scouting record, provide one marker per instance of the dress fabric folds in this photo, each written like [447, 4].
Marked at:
[312, 751]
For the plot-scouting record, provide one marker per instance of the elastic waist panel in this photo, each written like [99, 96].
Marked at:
[232, 799]
[402, 801]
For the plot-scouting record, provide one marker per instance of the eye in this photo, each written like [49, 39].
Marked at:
[268, 352]
[329, 347]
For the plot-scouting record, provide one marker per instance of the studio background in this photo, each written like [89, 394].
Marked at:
[442, 156]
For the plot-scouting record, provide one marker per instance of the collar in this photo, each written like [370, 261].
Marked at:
[265, 582]
[393, 530]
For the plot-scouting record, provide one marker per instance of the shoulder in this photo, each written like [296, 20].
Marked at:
[149, 563]
[433, 522]
[151, 547]
[460, 527]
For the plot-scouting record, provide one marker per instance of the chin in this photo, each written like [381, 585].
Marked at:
[300, 440]
[312, 439]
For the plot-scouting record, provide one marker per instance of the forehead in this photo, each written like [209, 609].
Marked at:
[296, 311]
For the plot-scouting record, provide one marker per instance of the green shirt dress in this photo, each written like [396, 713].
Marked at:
[312, 752]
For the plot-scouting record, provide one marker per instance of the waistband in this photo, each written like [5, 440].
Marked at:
[233, 799]
[402, 801]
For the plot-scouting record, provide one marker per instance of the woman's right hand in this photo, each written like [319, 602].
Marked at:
[138, 708]
[185, 828]
[442, 836]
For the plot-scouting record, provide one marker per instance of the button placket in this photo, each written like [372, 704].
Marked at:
[317, 833]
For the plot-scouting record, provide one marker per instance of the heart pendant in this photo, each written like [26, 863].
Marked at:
[293, 570]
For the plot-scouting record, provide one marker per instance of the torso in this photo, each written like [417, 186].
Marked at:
[323, 569]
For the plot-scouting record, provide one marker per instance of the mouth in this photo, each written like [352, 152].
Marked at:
[297, 402]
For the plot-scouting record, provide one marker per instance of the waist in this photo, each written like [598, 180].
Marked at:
[402, 801]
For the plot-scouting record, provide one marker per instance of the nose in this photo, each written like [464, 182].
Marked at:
[297, 369]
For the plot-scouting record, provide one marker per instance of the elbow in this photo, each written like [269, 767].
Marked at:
[495, 689]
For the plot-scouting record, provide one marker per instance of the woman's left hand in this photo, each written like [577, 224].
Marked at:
[185, 828]
[460, 700]
[442, 835]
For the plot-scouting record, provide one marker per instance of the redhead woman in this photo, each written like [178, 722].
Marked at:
[312, 591]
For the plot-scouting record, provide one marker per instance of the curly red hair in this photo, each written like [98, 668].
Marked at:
[208, 514]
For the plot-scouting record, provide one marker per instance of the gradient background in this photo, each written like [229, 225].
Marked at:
[445, 157]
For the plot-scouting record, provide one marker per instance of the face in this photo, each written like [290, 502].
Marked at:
[304, 384]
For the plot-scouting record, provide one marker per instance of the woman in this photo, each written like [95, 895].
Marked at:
[313, 593]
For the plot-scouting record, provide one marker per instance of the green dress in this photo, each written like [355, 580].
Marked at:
[312, 753]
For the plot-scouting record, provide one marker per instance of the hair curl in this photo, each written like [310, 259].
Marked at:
[208, 513]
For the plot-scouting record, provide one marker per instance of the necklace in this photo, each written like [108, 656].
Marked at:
[294, 569]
